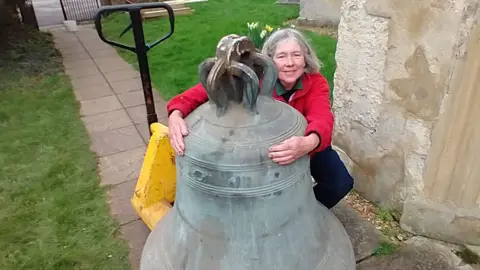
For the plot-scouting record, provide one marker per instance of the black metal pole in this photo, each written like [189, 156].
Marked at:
[141, 50]
[63, 10]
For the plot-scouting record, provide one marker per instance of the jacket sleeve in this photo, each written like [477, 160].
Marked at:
[318, 112]
[188, 101]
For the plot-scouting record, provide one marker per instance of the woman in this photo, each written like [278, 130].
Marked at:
[302, 86]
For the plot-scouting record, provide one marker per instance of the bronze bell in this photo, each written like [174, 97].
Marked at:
[235, 209]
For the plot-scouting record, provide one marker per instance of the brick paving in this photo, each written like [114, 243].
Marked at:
[109, 93]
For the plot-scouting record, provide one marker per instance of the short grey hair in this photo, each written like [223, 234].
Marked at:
[312, 64]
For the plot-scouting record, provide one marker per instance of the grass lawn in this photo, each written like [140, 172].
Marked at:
[174, 63]
[53, 213]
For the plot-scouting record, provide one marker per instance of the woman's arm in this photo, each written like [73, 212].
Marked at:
[188, 101]
[318, 134]
[178, 108]
[318, 112]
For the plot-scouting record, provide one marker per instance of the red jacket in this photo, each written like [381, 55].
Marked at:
[313, 102]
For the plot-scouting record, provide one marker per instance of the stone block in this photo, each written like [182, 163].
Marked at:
[121, 75]
[380, 8]
[89, 81]
[71, 48]
[320, 12]
[95, 45]
[64, 38]
[121, 167]
[87, 36]
[103, 53]
[364, 236]
[93, 92]
[136, 98]
[138, 114]
[440, 221]
[126, 85]
[119, 201]
[68, 57]
[99, 105]
[115, 141]
[132, 99]
[107, 121]
[403, 102]
[416, 253]
[80, 72]
[79, 63]
[65, 44]
[110, 63]
[136, 232]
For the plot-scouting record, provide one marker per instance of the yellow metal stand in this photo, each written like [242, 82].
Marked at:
[155, 190]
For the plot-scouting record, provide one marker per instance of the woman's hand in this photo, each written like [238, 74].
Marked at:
[293, 148]
[177, 129]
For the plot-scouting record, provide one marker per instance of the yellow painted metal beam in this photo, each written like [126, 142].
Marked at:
[156, 185]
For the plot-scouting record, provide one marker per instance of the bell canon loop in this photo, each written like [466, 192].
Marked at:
[236, 209]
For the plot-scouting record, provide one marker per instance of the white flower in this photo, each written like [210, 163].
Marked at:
[252, 25]
[263, 33]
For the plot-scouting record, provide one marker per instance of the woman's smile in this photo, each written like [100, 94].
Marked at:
[290, 62]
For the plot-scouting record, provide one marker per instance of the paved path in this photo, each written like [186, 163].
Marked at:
[48, 12]
[112, 109]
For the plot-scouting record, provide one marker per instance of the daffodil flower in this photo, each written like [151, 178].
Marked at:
[263, 34]
[252, 25]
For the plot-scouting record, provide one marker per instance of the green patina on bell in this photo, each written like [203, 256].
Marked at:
[235, 208]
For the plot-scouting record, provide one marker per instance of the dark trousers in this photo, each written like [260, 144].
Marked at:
[332, 177]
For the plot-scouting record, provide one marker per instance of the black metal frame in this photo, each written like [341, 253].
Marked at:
[80, 10]
[141, 48]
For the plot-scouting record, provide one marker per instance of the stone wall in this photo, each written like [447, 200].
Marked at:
[400, 65]
[319, 12]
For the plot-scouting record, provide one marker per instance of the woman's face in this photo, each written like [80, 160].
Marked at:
[290, 62]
